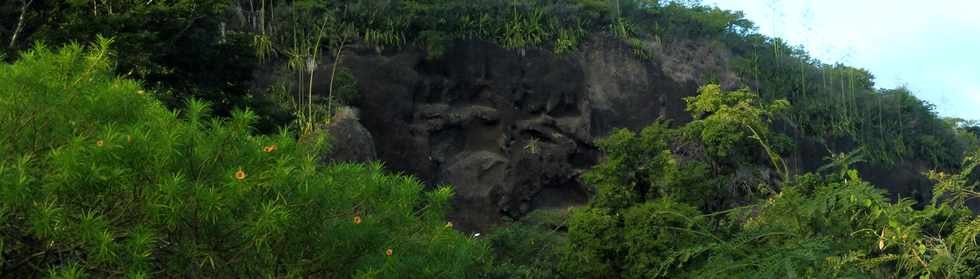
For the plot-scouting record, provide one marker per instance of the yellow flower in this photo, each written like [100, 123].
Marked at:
[357, 220]
[389, 252]
[240, 175]
[99, 143]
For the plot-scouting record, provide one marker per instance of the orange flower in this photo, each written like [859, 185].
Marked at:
[449, 225]
[99, 143]
[389, 252]
[357, 220]
[240, 175]
[270, 149]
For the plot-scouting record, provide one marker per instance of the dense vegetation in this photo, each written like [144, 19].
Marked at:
[649, 220]
[660, 211]
[160, 156]
[209, 49]
[99, 179]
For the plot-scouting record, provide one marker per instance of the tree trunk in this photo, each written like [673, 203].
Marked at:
[20, 22]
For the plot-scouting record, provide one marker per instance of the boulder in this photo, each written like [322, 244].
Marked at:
[350, 141]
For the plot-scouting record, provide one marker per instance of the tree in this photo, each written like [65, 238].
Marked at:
[178, 47]
[644, 220]
[641, 223]
[24, 5]
[97, 178]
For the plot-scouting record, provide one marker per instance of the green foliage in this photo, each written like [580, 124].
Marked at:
[828, 224]
[435, 43]
[662, 237]
[793, 231]
[200, 48]
[643, 221]
[701, 163]
[839, 105]
[178, 46]
[960, 187]
[595, 247]
[529, 248]
[311, 113]
[433, 24]
[345, 87]
[967, 132]
[637, 167]
[729, 122]
[568, 39]
[651, 240]
[724, 120]
[99, 179]
[523, 30]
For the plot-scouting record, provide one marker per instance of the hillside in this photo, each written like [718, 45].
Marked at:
[630, 138]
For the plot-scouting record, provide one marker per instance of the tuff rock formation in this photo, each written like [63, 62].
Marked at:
[511, 131]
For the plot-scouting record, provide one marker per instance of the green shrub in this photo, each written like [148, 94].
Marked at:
[99, 179]
[524, 250]
[595, 244]
[637, 167]
[646, 220]
[727, 121]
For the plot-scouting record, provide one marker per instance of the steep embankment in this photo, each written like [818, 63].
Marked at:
[512, 130]
[498, 114]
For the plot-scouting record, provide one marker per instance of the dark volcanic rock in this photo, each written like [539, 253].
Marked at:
[351, 142]
[511, 132]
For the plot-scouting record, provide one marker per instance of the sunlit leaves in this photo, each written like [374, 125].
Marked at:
[133, 189]
[725, 120]
[829, 224]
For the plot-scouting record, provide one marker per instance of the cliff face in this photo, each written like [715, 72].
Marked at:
[511, 131]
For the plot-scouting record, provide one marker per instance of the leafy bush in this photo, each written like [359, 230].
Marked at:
[98, 179]
[727, 120]
[649, 240]
[821, 225]
[523, 250]
[642, 164]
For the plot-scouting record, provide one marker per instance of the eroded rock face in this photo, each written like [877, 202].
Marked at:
[351, 141]
[510, 132]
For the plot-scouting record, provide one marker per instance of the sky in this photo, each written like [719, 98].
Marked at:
[932, 47]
